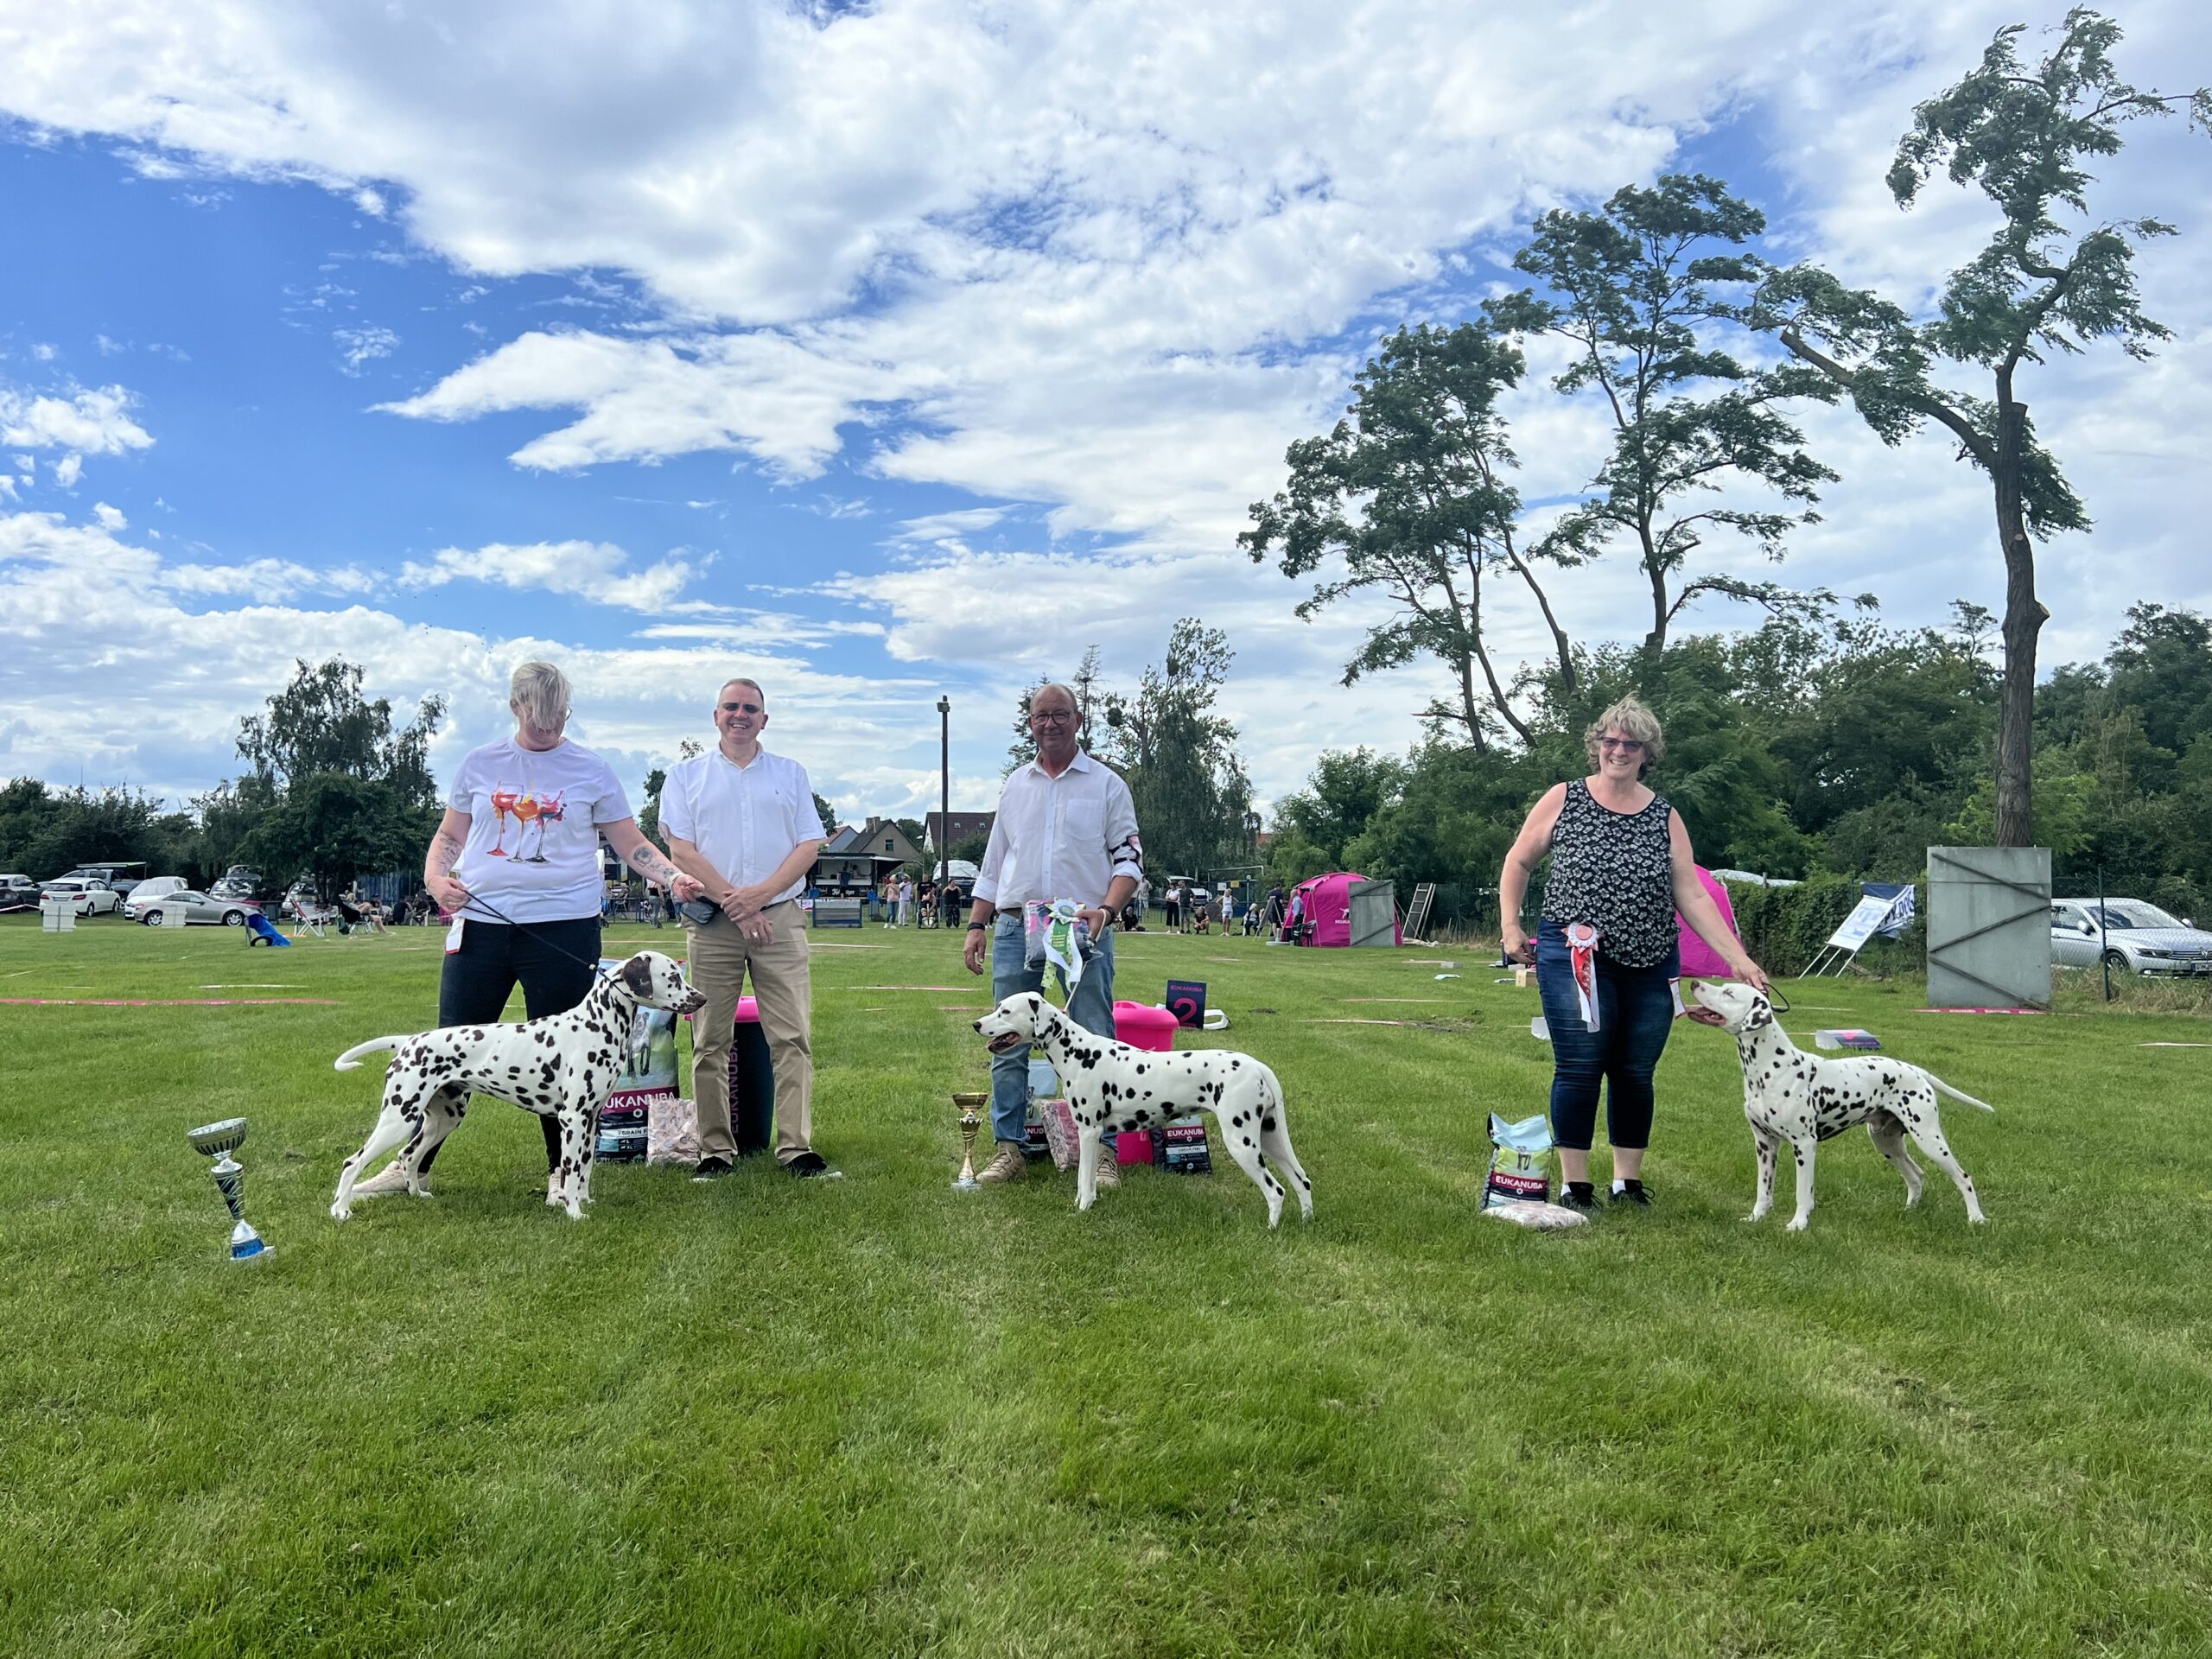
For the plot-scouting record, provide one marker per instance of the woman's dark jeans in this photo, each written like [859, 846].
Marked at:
[480, 976]
[1634, 1010]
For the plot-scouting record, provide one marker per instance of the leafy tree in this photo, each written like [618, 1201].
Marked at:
[2024, 137]
[1192, 796]
[822, 805]
[320, 722]
[337, 792]
[1345, 791]
[338, 827]
[1629, 289]
[1409, 492]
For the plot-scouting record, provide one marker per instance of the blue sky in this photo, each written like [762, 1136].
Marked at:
[888, 352]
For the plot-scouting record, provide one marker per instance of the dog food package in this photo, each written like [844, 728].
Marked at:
[1180, 1146]
[1520, 1162]
[648, 1073]
[671, 1130]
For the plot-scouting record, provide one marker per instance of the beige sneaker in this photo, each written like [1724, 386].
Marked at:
[1006, 1165]
[1110, 1168]
[392, 1178]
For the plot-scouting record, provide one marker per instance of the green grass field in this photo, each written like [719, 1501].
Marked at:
[875, 1416]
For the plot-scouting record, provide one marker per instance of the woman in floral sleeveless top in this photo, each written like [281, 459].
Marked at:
[1621, 863]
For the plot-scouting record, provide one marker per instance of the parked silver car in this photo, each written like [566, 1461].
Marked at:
[230, 912]
[2134, 936]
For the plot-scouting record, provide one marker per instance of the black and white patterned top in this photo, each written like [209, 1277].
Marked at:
[1615, 871]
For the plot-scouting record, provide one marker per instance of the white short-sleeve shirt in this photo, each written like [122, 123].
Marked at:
[534, 817]
[1065, 837]
[745, 820]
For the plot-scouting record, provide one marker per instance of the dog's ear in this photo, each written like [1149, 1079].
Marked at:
[637, 975]
[1762, 1013]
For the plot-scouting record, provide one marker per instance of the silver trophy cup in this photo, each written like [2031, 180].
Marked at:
[219, 1142]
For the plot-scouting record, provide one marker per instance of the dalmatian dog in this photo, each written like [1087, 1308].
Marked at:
[1803, 1099]
[562, 1066]
[1112, 1087]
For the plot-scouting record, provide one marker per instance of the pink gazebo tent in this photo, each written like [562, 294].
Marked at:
[1699, 960]
[1328, 906]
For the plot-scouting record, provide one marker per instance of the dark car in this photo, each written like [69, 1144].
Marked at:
[18, 893]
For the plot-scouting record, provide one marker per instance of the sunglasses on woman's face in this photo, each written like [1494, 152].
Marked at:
[1625, 744]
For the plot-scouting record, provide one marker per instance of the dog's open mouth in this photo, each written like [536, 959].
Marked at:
[1007, 1041]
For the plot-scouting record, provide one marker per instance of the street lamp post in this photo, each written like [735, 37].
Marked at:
[944, 789]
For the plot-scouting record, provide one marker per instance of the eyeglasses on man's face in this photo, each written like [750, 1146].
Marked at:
[1051, 716]
[1625, 744]
[740, 708]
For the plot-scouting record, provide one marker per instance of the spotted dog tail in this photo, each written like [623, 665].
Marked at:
[1943, 1088]
[351, 1059]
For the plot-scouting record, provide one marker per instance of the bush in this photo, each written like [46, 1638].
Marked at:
[1784, 928]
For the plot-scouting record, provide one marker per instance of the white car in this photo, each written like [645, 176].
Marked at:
[2135, 936]
[93, 898]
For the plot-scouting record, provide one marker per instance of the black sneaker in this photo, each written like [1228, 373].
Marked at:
[711, 1169]
[811, 1165]
[1632, 1191]
[1578, 1197]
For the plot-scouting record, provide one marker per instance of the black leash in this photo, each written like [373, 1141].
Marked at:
[485, 905]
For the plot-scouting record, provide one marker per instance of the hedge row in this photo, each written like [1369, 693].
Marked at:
[1784, 928]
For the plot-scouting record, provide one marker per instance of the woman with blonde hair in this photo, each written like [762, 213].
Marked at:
[1604, 949]
[515, 863]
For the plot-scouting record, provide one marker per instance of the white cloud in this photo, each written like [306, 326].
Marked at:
[110, 518]
[95, 421]
[598, 571]
[1102, 262]
[110, 698]
[68, 470]
[360, 346]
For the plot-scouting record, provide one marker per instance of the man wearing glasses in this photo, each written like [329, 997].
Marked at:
[1065, 829]
[743, 822]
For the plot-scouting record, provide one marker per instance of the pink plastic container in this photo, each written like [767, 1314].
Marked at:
[1143, 1026]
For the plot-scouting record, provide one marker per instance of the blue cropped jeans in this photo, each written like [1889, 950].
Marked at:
[1635, 1011]
[1091, 1007]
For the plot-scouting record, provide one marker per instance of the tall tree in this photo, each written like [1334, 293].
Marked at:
[2023, 137]
[1191, 795]
[320, 722]
[1634, 289]
[1408, 491]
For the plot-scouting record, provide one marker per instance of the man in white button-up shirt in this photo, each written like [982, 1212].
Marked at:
[743, 822]
[1065, 829]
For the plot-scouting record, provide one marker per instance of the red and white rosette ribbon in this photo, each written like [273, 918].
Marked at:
[1582, 955]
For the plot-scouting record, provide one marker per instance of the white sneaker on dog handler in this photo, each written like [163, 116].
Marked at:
[392, 1178]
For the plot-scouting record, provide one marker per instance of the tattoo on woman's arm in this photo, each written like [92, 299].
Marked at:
[648, 862]
[445, 852]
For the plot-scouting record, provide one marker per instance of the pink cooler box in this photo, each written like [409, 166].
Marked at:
[1141, 1026]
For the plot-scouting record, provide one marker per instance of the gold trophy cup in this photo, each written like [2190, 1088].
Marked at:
[971, 1125]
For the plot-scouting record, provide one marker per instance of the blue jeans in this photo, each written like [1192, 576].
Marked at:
[1091, 1007]
[1636, 1010]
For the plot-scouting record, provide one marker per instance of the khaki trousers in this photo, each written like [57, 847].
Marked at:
[717, 960]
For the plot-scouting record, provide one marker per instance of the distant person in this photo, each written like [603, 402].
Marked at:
[1065, 829]
[906, 901]
[528, 919]
[1275, 910]
[947, 903]
[1622, 862]
[1171, 903]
